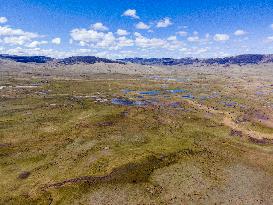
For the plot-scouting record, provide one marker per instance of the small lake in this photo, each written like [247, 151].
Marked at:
[151, 92]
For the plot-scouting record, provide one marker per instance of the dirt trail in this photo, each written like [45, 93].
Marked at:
[227, 121]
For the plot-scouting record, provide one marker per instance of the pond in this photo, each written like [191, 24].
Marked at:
[176, 91]
[151, 92]
[189, 96]
[126, 102]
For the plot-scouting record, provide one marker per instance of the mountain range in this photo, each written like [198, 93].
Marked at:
[238, 60]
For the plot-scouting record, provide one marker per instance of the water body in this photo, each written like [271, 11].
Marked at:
[126, 102]
[120, 101]
[176, 91]
[151, 92]
[188, 96]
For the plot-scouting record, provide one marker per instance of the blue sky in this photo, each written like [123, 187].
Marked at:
[136, 28]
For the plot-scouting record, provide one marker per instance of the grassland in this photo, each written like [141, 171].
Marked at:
[62, 141]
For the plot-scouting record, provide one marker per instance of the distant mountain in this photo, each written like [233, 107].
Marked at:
[240, 60]
[160, 61]
[86, 59]
[67, 61]
[27, 59]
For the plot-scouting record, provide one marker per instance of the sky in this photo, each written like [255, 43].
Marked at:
[136, 28]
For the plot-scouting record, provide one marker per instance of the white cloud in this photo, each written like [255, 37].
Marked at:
[107, 41]
[183, 49]
[207, 36]
[19, 37]
[100, 40]
[82, 43]
[122, 32]
[97, 40]
[7, 31]
[164, 23]
[137, 34]
[240, 33]
[221, 37]
[172, 38]
[193, 39]
[142, 26]
[59, 54]
[173, 44]
[150, 43]
[195, 33]
[269, 39]
[56, 41]
[38, 52]
[16, 40]
[62, 54]
[125, 42]
[182, 33]
[99, 27]
[201, 50]
[86, 35]
[35, 44]
[131, 13]
[3, 19]
[200, 40]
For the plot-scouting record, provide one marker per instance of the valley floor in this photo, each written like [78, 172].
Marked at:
[200, 135]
